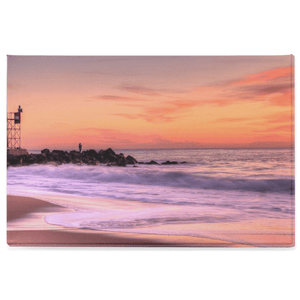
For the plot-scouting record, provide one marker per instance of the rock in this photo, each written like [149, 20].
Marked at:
[76, 161]
[109, 155]
[91, 152]
[45, 151]
[25, 160]
[41, 158]
[29, 159]
[90, 157]
[56, 157]
[131, 160]
[92, 162]
[59, 152]
[99, 156]
[85, 160]
[170, 163]
[152, 162]
[121, 161]
[74, 152]
[109, 151]
[67, 159]
[13, 160]
[74, 155]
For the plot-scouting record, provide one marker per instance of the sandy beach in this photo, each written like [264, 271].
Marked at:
[26, 227]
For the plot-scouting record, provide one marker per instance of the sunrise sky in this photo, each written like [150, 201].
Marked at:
[152, 102]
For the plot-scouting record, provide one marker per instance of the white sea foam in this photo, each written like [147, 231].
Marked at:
[223, 186]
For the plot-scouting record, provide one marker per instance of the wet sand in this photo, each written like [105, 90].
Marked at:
[26, 227]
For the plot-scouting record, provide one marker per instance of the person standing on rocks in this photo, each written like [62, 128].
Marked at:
[80, 146]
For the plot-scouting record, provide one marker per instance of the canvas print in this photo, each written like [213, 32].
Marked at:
[149, 151]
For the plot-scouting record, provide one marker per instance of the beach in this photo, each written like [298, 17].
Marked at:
[221, 197]
[36, 232]
[26, 227]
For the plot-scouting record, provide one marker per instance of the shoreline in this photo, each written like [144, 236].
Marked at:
[26, 227]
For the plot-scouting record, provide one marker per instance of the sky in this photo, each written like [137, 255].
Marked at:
[141, 102]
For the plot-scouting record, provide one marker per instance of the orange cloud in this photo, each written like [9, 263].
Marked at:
[141, 90]
[274, 86]
[167, 112]
[262, 77]
[116, 98]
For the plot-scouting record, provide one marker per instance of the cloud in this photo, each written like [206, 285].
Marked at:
[265, 76]
[265, 89]
[98, 130]
[154, 92]
[174, 91]
[114, 98]
[232, 120]
[167, 112]
[152, 117]
[283, 117]
[140, 90]
[274, 86]
[128, 116]
[13, 86]
[288, 128]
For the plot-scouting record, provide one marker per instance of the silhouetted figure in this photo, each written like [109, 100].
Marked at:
[80, 146]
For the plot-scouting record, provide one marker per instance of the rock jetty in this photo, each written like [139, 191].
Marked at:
[89, 157]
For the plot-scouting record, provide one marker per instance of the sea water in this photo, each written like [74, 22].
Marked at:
[211, 186]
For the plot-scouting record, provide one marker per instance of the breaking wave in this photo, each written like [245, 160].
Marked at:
[75, 176]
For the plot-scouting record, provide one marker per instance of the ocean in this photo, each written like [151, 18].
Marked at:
[213, 186]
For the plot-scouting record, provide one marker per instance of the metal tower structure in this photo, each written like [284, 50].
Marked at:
[14, 129]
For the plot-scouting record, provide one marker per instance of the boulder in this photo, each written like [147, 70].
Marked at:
[45, 151]
[41, 158]
[13, 160]
[91, 153]
[131, 160]
[152, 162]
[121, 162]
[57, 156]
[76, 161]
[90, 157]
[29, 159]
[170, 163]
[109, 155]
[74, 154]
[92, 162]
[67, 159]
[59, 152]
[108, 151]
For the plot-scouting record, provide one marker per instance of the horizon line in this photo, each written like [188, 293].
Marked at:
[202, 148]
